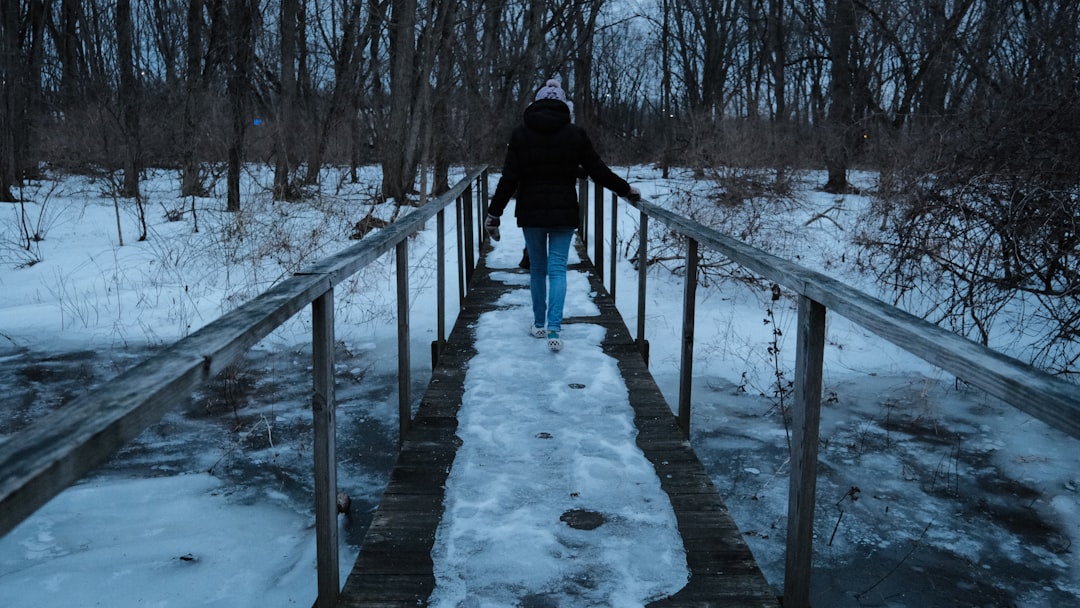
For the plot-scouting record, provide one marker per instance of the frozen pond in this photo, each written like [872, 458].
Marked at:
[970, 518]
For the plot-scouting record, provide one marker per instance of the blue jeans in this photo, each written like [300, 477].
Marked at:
[548, 250]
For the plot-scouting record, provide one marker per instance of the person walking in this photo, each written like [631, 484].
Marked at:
[543, 160]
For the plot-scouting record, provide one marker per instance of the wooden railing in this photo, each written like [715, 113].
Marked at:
[54, 452]
[1050, 399]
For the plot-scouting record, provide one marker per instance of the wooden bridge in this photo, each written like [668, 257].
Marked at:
[395, 564]
[395, 567]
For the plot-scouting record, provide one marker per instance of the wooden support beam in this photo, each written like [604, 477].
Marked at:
[806, 422]
[686, 362]
[403, 358]
[323, 411]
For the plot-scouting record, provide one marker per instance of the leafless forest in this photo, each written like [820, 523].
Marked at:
[967, 108]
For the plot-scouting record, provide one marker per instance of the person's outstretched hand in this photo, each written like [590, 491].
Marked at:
[634, 195]
[491, 226]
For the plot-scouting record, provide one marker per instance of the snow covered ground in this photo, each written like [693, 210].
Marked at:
[930, 494]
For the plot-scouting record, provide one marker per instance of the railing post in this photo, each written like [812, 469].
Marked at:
[474, 200]
[440, 287]
[643, 272]
[325, 442]
[686, 363]
[467, 209]
[481, 181]
[598, 231]
[462, 273]
[404, 396]
[806, 419]
[583, 209]
[614, 241]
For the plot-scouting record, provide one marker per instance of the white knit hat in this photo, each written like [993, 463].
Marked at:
[551, 90]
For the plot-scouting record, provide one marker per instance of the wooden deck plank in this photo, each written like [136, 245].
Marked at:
[395, 567]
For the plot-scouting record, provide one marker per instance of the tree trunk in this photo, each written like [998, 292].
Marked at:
[241, 28]
[411, 94]
[715, 68]
[777, 59]
[9, 92]
[190, 176]
[347, 78]
[129, 98]
[20, 90]
[489, 44]
[359, 143]
[583, 63]
[445, 85]
[665, 90]
[285, 124]
[396, 151]
[436, 33]
[534, 28]
[841, 28]
[67, 50]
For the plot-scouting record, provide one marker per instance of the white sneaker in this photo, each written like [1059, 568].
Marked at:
[554, 342]
[537, 332]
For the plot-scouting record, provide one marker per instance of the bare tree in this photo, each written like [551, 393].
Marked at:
[129, 100]
[286, 123]
[191, 182]
[842, 31]
[10, 91]
[776, 55]
[665, 86]
[21, 59]
[398, 153]
[440, 148]
[346, 47]
[241, 31]
[584, 22]
[412, 60]
[985, 213]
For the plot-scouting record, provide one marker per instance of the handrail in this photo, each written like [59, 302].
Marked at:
[1057, 402]
[52, 453]
[1035, 392]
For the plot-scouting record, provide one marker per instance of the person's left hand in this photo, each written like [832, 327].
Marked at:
[491, 226]
[634, 195]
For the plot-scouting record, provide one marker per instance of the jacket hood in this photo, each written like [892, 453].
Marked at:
[547, 115]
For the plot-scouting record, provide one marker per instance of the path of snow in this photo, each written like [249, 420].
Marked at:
[543, 434]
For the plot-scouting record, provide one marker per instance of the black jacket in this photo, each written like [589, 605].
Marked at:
[542, 162]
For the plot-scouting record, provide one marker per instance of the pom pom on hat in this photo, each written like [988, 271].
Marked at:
[551, 90]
